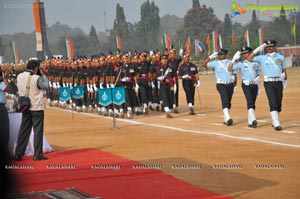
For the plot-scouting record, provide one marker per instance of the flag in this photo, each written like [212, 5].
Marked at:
[64, 93]
[212, 42]
[167, 41]
[247, 38]
[233, 38]
[70, 49]
[119, 42]
[199, 47]
[259, 37]
[294, 31]
[78, 92]
[220, 41]
[15, 52]
[188, 45]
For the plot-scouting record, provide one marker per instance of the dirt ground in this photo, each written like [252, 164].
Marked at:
[266, 163]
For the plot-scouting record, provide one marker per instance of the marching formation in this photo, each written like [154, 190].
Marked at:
[151, 81]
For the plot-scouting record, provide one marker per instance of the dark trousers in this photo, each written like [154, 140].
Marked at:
[189, 89]
[250, 93]
[4, 129]
[167, 95]
[129, 95]
[145, 91]
[31, 119]
[226, 92]
[274, 92]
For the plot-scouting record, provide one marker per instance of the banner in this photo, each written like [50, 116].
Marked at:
[188, 45]
[212, 42]
[259, 37]
[38, 26]
[118, 95]
[247, 38]
[78, 92]
[104, 96]
[233, 38]
[64, 93]
[119, 42]
[294, 32]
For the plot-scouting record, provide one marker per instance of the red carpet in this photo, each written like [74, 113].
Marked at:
[126, 182]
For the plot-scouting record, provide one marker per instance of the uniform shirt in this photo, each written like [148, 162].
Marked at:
[188, 69]
[248, 69]
[174, 64]
[221, 70]
[271, 63]
[2, 94]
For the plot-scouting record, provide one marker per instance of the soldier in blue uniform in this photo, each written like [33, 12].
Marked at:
[250, 81]
[275, 76]
[225, 80]
[188, 72]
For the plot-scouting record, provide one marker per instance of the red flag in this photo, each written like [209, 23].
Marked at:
[188, 45]
[119, 42]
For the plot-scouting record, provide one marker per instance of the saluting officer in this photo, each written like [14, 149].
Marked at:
[225, 81]
[188, 72]
[250, 81]
[166, 79]
[275, 76]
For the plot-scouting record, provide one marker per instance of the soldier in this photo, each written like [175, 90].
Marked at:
[144, 81]
[174, 62]
[166, 79]
[275, 77]
[137, 98]
[225, 81]
[155, 62]
[188, 72]
[250, 79]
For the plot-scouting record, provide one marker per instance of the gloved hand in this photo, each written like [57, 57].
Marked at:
[101, 85]
[71, 86]
[95, 88]
[175, 88]
[186, 77]
[160, 78]
[50, 84]
[259, 48]
[88, 87]
[112, 85]
[124, 79]
[152, 85]
[64, 85]
[57, 85]
[107, 85]
[214, 55]
[54, 85]
[236, 56]
[198, 84]
[136, 89]
[91, 89]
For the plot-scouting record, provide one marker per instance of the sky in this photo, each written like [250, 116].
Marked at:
[17, 15]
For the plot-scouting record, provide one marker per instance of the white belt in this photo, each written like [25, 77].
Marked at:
[223, 82]
[271, 79]
[247, 82]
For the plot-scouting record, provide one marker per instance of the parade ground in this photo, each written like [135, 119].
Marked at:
[233, 161]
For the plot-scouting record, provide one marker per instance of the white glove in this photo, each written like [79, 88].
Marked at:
[284, 84]
[186, 76]
[54, 85]
[64, 85]
[75, 84]
[95, 88]
[236, 56]
[158, 85]
[50, 84]
[107, 85]
[101, 85]
[88, 88]
[57, 85]
[180, 52]
[257, 80]
[125, 79]
[91, 89]
[137, 88]
[152, 85]
[67, 85]
[71, 86]
[175, 88]
[160, 78]
[112, 85]
[259, 48]
[214, 55]
[198, 84]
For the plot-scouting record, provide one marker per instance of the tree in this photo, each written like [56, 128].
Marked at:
[196, 4]
[149, 26]
[2, 48]
[227, 33]
[94, 43]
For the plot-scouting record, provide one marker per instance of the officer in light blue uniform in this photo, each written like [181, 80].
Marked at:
[275, 77]
[250, 81]
[225, 80]
[4, 121]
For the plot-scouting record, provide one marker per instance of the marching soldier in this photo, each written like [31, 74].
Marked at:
[166, 79]
[174, 62]
[188, 72]
[225, 80]
[275, 77]
[250, 79]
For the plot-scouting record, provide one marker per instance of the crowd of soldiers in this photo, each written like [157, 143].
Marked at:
[150, 80]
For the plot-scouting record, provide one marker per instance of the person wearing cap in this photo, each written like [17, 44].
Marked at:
[174, 62]
[166, 79]
[34, 116]
[188, 72]
[225, 80]
[4, 120]
[275, 76]
[250, 81]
